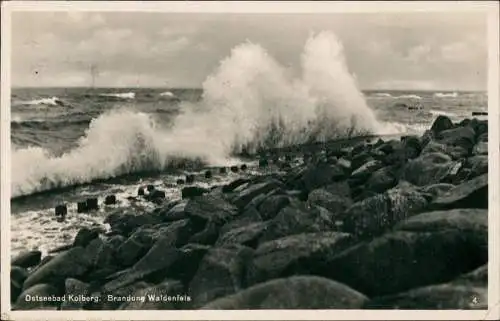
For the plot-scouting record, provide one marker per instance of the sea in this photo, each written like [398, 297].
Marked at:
[72, 143]
[69, 144]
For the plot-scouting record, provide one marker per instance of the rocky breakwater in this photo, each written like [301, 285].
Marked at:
[395, 224]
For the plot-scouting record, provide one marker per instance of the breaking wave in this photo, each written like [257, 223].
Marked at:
[446, 95]
[130, 95]
[249, 102]
[51, 101]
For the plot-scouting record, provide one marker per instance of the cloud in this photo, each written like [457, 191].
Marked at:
[394, 50]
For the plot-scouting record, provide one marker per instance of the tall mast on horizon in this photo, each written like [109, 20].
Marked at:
[93, 74]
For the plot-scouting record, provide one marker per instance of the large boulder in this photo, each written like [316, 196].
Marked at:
[249, 216]
[333, 203]
[72, 263]
[470, 194]
[455, 152]
[27, 259]
[296, 254]
[193, 191]
[438, 297]
[85, 236]
[382, 180]
[162, 255]
[125, 223]
[74, 289]
[464, 137]
[210, 208]
[403, 260]
[322, 174]
[478, 165]
[299, 218]
[17, 277]
[249, 193]
[428, 169]
[375, 215]
[247, 235]
[174, 213]
[221, 272]
[440, 124]
[298, 292]
[134, 247]
[271, 206]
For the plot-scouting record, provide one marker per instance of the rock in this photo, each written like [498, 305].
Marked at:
[249, 216]
[428, 169]
[270, 206]
[93, 249]
[360, 160]
[41, 290]
[156, 196]
[222, 170]
[189, 179]
[382, 180]
[465, 220]
[221, 272]
[72, 263]
[27, 259]
[333, 203]
[378, 213]
[107, 253]
[464, 137]
[440, 124]
[366, 170]
[126, 222]
[175, 213]
[74, 289]
[411, 146]
[193, 191]
[244, 167]
[81, 207]
[85, 236]
[208, 174]
[135, 247]
[208, 236]
[477, 277]
[210, 208]
[316, 176]
[246, 235]
[455, 152]
[140, 191]
[17, 277]
[298, 292]
[298, 218]
[92, 204]
[162, 255]
[156, 297]
[61, 210]
[478, 165]
[401, 260]
[470, 194]
[295, 255]
[480, 148]
[437, 189]
[180, 181]
[440, 297]
[263, 163]
[244, 197]
[234, 184]
[234, 169]
[110, 200]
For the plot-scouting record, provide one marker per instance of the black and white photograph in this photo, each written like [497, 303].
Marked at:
[263, 160]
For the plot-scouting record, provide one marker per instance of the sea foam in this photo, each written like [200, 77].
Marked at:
[249, 102]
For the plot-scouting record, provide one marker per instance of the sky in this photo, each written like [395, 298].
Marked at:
[419, 51]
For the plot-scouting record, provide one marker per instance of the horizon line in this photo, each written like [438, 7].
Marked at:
[200, 88]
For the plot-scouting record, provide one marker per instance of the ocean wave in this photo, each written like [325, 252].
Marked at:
[129, 95]
[409, 96]
[51, 101]
[250, 102]
[381, 95]
[435, 112]
[446, 95]
[167, 94]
